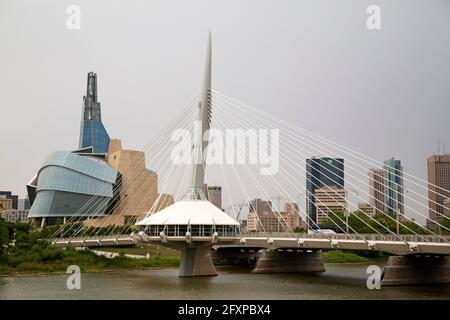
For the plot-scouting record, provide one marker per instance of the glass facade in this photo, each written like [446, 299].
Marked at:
[195, 230]
[321, 172]
[394, 186]
[67, 182]
[93, 134]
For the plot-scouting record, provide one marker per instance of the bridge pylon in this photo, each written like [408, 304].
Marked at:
[193, 225]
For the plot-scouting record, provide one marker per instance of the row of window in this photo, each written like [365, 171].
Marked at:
[195, 230]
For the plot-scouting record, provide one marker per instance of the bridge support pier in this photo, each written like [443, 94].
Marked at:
[196, 261]
[289, 261]
[413, 270]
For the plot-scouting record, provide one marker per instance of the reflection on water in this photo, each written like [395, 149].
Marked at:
[340, 281]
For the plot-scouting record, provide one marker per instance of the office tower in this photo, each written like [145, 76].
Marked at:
[394, 186]
[5, 203]
[291, 215]
[15, 216]
[377, 189]
[329, 199]
[262, 218]
[24, 204]
[321, 172]
[215, 196]
[13, 197]
[93, 133]
[447, 207]
[367, 208]
[438, 187]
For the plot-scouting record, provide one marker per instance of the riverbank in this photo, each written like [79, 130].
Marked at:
[339, 256]
[53, 259]
[56, 260]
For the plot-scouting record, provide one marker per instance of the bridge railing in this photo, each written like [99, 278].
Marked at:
[93, 238]
[340, 236]
[337, 236]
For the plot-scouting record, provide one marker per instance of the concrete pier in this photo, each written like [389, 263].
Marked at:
[196, 261]
[413, 270]
[289, 261]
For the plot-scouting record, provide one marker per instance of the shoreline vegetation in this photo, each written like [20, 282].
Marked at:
[102, 264]
[24, 250]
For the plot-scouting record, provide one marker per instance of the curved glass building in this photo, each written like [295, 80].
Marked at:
[77, 183]
[69, 184]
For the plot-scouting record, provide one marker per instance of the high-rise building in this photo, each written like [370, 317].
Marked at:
[377, 189]
[14, 198]
[447, 207]
[394, 186]
[367, 208]
[291, 215]
[215, 196]
[329, 199]
[261, 217]
[14, 215]
[92, 132]
[5, 203]
[24, 204]
[438, 187]
[321, 172]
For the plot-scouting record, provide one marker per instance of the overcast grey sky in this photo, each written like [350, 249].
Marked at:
[314, 63]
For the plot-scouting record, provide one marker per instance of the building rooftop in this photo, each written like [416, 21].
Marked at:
[190, 212]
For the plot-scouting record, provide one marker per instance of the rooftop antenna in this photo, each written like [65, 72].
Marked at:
[439, 147]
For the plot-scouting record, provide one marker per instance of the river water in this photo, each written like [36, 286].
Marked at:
[340, 281]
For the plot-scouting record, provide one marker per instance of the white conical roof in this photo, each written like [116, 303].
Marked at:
[190, 212]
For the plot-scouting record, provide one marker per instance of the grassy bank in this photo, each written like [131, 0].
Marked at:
[53, 259]
[152, 250]
[339, 256]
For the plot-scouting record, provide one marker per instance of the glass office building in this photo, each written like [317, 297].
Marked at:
[321, 172]
[69, 184]
[394, 186]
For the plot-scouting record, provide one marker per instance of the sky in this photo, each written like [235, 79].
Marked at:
[314, 63]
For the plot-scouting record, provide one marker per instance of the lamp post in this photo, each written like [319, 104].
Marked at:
[348, 213]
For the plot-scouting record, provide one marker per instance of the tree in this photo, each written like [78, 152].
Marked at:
[4, 236]
[382, 223]
[299, 230]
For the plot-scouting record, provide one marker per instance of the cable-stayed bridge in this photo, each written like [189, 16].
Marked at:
[252, 154]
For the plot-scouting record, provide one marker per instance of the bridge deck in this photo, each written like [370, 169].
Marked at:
[401, 245]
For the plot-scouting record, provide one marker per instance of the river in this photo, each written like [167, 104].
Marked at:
[340, 281]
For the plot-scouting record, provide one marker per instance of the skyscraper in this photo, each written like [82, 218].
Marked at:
[92, 132]
[394, 186]
[321, 172]
[438, 187]
[377, 189]
[14, 198]
[215, 196]
[329, 199]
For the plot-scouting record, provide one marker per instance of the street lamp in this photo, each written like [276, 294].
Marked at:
[348, 213]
